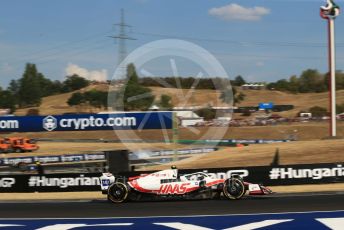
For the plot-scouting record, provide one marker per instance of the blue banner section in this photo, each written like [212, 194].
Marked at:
[268, 105]
[87, 122]
[311, 220]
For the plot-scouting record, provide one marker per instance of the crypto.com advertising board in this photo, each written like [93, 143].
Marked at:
[87, 122]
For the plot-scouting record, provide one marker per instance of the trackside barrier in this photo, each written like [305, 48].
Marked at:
[268, 175]
[233, 142]
[87, 122]
[149, 154]
[53, 158]
[50, 183]
[96, 156]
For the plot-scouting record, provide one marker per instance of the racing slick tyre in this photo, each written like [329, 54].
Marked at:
[118, 192]
[233, 188]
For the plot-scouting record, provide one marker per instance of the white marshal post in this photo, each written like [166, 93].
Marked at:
[330, 12]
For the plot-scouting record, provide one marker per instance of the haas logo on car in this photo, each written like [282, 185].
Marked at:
[173, 188]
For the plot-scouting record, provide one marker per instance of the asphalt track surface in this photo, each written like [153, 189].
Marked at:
[103, 208]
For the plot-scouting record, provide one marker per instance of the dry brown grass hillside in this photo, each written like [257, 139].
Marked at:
[186, 97]
[302, 152]
[57, 104]
[301, 101]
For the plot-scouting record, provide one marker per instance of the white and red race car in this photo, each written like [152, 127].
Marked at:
[169, 184]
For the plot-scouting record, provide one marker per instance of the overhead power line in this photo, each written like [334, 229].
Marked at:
[60, 47]
[243, 43]
[66, 44]
[73, 54]
[57, 51]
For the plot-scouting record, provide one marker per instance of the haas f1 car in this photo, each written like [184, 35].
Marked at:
[168, 184]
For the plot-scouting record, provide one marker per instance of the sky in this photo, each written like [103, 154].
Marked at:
[261, 40]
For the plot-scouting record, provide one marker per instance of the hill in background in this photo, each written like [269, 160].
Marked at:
[57, 104]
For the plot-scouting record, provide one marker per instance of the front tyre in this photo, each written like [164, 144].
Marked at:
[233, 188]
[118, 192]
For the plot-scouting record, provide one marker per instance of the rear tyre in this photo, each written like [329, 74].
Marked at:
[233, 189]
[118, 192]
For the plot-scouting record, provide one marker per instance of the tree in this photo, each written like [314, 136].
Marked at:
[96, 98]
[282, 85]
[165, 102]
[74, 82]
[239, 81]
[311, 81]
[49, 87]
[135, 96]
[239, 98]
[13, 88]
[340, 108]
[231, 96]
[30, 91]
[318, 111]
[32, 86]
[56, 87]
[339, 80]
[206, 113]
[293, 84]
[132, 75]
[7, 100]
[76, 99]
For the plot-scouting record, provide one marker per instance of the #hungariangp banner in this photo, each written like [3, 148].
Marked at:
[87, 122]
